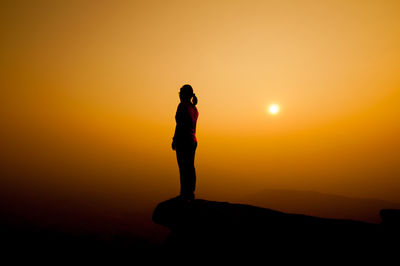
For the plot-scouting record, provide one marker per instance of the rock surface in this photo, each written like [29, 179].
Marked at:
[209, 226]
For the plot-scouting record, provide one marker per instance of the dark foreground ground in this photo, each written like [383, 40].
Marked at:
[206, 230]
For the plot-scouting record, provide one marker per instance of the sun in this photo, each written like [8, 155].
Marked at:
[273, 109]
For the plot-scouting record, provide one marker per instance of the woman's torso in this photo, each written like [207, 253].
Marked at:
[186, 120]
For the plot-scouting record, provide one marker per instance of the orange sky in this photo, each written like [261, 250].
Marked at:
[90, 91]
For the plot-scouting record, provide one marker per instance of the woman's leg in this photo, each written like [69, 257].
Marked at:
[192, 171]
[185, 157]
[180, 156]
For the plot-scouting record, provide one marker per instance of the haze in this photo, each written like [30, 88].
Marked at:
[90, 91]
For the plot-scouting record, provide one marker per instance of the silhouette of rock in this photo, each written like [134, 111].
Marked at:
[391, 222]
[319, 204]
[209, 226]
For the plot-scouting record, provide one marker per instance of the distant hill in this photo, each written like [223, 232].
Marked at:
[320, 204]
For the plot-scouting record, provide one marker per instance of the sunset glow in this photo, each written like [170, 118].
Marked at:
[90, 91]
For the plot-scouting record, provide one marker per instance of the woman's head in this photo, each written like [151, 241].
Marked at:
[186, 93]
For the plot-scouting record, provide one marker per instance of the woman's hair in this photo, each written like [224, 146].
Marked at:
[186, 93]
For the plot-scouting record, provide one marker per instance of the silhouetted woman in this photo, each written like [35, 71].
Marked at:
[185, 142]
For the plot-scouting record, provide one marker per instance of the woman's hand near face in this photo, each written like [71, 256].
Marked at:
[173, 145]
